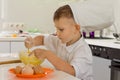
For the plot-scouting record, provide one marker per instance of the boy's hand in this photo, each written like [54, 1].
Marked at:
[29, 42]
[39, 53]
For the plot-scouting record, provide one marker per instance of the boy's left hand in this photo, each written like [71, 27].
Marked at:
[40, 53]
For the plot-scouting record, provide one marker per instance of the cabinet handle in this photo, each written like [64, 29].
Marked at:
[115, 67]
[116, 60]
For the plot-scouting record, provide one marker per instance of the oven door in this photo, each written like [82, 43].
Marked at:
[115, 70]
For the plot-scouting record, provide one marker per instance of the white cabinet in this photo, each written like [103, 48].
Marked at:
[4, 47]
[101, 70]
[16, 47]
[11, 47]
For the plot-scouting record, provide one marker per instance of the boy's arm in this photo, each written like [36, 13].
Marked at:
[38, 40]
[59, 63]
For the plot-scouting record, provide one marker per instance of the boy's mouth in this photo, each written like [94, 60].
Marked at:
[60, 38]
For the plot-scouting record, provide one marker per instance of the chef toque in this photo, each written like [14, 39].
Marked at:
[93, 15]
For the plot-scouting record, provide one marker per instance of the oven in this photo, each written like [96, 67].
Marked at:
[112, 58]
[114, 55]
[115, 69]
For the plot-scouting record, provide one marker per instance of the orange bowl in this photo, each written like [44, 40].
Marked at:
[47, 71]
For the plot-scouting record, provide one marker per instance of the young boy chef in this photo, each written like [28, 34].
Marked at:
[67, 51]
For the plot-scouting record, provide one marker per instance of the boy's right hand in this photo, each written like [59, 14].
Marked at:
[29, 42]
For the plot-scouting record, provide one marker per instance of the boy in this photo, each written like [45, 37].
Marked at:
[67, 51]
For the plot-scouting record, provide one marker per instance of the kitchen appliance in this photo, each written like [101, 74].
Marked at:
[107, 57]
[115, 69]
[114, 55]
[101, 62]
[117, 36]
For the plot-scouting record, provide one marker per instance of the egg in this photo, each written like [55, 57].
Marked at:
[38, 69]
[18, 69]
[27, 70]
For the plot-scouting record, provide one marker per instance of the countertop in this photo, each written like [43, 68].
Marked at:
[6, 58]
[105, 48]
[112, 43]
[11, 39]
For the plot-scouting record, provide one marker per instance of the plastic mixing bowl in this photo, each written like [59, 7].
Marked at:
[26, 59]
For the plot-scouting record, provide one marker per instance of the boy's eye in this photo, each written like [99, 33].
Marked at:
[61, 29]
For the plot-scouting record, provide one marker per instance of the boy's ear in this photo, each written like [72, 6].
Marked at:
[77, 27]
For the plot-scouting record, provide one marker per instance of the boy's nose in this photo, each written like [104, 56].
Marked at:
[58, 34]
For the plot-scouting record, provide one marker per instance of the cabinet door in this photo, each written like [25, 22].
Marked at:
[16, 47]
[4, 47]
[101, 70]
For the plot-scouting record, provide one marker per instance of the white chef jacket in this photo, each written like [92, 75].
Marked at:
[93, 14]
[78, 55]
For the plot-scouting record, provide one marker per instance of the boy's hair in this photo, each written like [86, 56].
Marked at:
[64, 11]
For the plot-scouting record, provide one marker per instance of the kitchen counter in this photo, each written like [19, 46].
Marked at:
[12, 39]
[104, 52]
[15, 39]
[6, 58]
[105, 48]
[111, 43]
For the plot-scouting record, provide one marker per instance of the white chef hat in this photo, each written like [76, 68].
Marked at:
[93, 15]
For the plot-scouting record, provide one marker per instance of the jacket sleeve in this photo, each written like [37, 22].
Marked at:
[50, 42]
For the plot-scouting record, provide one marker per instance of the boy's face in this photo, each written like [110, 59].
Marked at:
[66, 29]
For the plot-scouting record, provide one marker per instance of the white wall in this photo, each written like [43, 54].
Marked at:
[33, 13]
[0, 8]
[117, 15]
[39, 13]
[3, 11]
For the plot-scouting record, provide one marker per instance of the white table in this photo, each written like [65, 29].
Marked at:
[55, 75]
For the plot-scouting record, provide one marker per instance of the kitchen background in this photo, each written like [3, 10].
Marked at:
[38, 14]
